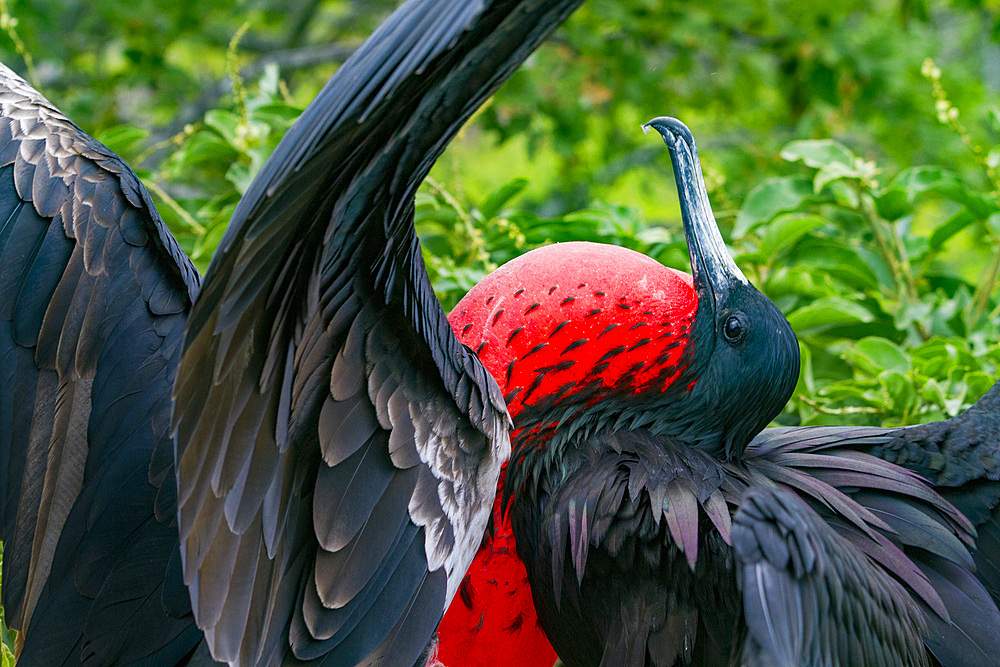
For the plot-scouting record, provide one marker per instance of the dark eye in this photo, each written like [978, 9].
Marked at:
[733, 330]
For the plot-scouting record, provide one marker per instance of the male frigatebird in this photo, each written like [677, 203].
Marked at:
[317, 368]
[651, 533]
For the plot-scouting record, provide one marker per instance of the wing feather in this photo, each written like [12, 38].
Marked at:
[921, 538]
[93, 295]
[354, 398]
[810, 597]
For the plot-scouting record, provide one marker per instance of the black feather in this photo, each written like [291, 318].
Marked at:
[87, 364]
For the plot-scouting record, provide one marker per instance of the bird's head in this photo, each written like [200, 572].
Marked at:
[587, 336]
[748, 361]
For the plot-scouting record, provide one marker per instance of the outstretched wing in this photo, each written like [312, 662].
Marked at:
[959, 458]
[93, 296]
[338, 449]
[810, 597]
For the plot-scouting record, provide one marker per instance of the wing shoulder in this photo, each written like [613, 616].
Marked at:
[954, 452]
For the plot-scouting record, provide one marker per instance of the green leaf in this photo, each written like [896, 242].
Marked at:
[498, 198]
[900, 390]
[819, 154]
[785, 232]
[795, 281]
[893, 204]
[239, 175]
[950, 227]
[207, 147]
[833, 257]
[828, 312]
[226, 123]
[121, 138]
[917, 181]
[773, 196]
[834, 172]
[933, 393]
[993, 222]
[978, 383]
[268, 81]
[874, 354]
[277, 114]
[807, 379]
[656, 234]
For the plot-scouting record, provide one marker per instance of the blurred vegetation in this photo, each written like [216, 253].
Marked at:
[849, 149]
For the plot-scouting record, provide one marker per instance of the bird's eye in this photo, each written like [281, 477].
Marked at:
[733, 330]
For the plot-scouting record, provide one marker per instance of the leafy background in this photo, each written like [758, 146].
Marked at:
[849, 149]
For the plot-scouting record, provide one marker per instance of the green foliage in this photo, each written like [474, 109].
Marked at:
[888, 287]
[7, 636]
[214, 161]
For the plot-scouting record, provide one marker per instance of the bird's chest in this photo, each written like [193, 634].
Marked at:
[610, 582]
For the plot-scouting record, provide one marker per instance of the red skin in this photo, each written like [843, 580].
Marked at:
[492, 621]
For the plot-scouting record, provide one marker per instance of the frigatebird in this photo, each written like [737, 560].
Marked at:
[319, 274]
[651, 532]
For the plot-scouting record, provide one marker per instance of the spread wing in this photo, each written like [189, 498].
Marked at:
[959, 458]
[810, 597]
[338, 449]
[93, 296]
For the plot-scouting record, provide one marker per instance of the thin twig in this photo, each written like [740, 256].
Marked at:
[8, 23]
[981, 298]
[186, 217]
[475, 236]
[846, 410]
[233, 71]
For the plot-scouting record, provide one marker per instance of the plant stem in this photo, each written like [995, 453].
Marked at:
[895, 255]
[981, 298]
[847, 410]
[476, 239]
[181, 212]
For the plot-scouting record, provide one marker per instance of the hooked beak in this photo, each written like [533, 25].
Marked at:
[712, 268]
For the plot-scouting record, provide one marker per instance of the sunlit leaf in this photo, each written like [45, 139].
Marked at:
[499, 198]
[872, 354]
[770, 198]
[785, 232]
[819, 154]
[827, 312]
[122, 139]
